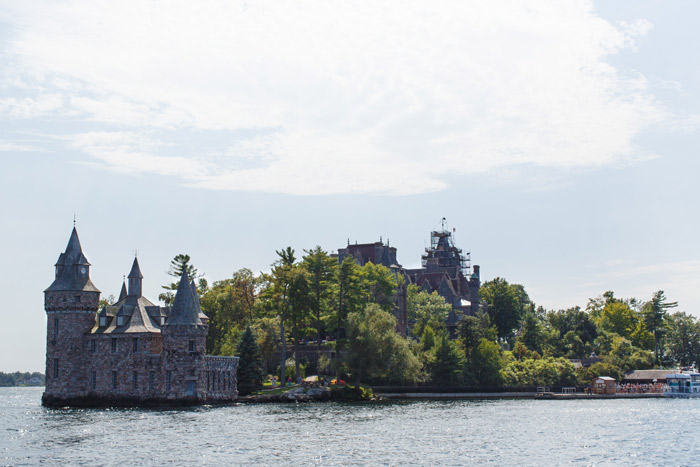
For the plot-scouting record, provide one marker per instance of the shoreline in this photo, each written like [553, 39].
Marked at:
[515, 395]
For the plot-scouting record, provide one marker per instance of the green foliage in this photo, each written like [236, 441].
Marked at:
[321, 269]
[250, 365]
[345, 393]
[472, 329]
[446, 362]
[484, 366]
[427, 340]
[506, 304]
[426, 309]
[377, 353]
[617, 317]
[560, 323]
[586, 376]
[626, 357]
[532, 332]
[380, 285]
[654, 315]
[683, 339]
[539, 372]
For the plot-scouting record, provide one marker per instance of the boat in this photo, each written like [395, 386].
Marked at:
[682, 385]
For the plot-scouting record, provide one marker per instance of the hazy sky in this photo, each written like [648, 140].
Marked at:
[558, 137]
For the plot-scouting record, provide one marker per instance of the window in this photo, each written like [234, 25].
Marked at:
[93, 346]
[55, 368]
[135, 381]
[76, 298]
[162, 320]
[55, 328]
[151, 380]
[208, 380]
[193, 347]
[103, 321]
[136, 344]
[120, 321]
[93, 379]
[114, 379]
[167, 383]
[114, 344]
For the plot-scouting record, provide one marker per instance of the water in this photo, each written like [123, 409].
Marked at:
[506, 432]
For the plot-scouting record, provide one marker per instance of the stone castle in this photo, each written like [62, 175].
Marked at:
[132, 352]
[444, 269]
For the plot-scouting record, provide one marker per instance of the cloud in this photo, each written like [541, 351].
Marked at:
[384, 97]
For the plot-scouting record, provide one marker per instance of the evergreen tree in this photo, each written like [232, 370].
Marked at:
[250, 365]
[447, 362]
[178, 265]
[654, 314]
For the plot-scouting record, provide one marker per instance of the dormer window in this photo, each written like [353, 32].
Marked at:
[120, 321]
[103, 321]
[162, 320]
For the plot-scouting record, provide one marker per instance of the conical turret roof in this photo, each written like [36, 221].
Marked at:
[123, 293]
[185, 308]
[135, 270]
[68, 268]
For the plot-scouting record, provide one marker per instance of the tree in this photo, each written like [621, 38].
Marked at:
[446, 362]
[380, 285]
[483, 369]
[505, 304]
[321, 269]
[178, 265]
[539, 372]
[654, 314]
[683, 339]
[426, 309]
[350, 297]
[299, 303]
[472, 329]
[531, 333]
[277, 295]
[570, 320]
[250, 366]
[618, 317]
[377, 353]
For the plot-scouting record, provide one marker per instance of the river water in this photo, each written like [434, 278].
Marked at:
[503, 432]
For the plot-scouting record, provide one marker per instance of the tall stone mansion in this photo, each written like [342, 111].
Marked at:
[132, 352]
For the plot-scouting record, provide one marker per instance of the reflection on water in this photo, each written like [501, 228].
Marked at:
[510, 432]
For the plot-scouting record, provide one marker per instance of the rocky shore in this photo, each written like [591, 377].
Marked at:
[293, 395]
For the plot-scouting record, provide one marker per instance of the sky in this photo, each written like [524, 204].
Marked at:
[557, 137]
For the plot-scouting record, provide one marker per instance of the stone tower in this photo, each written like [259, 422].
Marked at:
[184, 345]
[71, 304]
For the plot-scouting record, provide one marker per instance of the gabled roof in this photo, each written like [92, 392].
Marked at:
[185, 308]
[137, 318]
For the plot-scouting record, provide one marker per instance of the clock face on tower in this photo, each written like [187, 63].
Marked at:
[83, 270]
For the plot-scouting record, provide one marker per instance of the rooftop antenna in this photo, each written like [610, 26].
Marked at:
[442, 223]
[73, 218]
[136, 253]
[380, 239]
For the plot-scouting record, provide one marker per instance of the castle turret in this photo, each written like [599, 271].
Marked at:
[71, 304]
[184, 344]
[135, 279]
